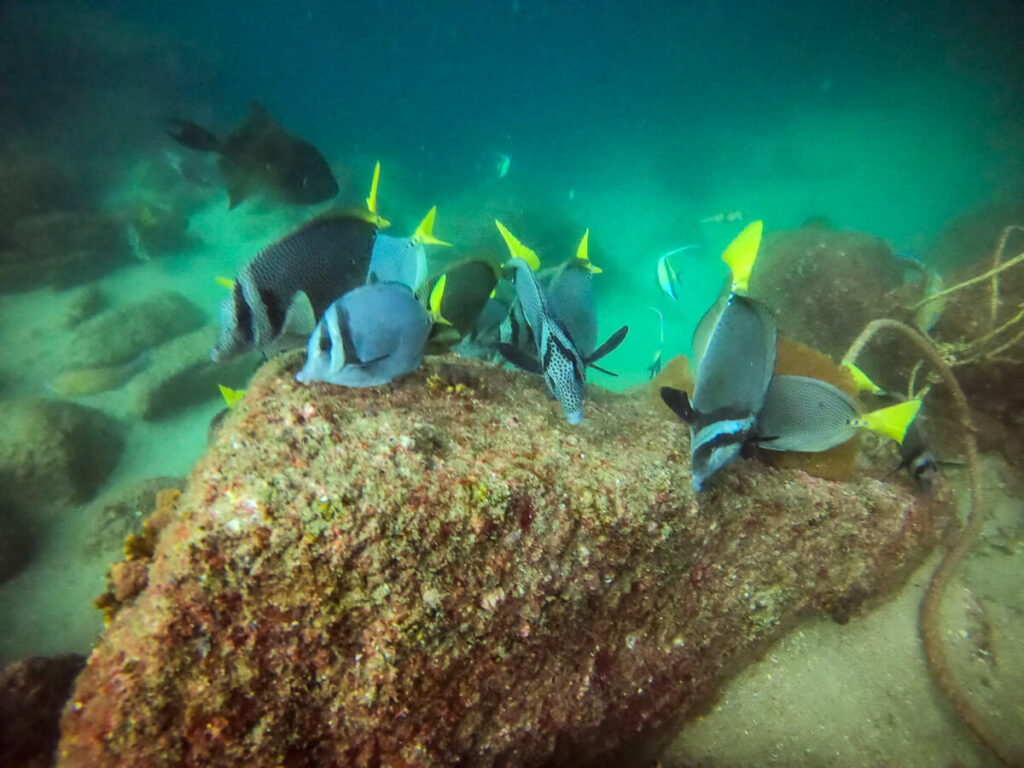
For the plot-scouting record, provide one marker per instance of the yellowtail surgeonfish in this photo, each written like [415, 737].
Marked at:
[562, 322]
[805, 414]
[367, 337]
[733, 360]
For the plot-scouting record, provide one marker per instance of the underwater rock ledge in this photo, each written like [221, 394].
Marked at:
[442, 571]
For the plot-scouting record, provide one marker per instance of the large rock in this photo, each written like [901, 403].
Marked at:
[54, 454]
[442, 571]
[124, 332]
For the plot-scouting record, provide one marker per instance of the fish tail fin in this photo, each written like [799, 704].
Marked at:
[371, 201]
[436, 295]
[232, 397]
[516, 248]
[864, 384]
[892, 421]
[193, 136]
[425, 231]
[741, 253]
[581, 255]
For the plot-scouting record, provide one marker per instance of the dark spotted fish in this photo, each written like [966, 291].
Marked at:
[278, 297]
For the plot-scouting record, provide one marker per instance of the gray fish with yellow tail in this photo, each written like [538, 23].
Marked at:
[734, 350]
[368, 337]
[805, 414]
[259, 156]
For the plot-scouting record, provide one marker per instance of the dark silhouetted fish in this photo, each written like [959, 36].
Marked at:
[261, 157]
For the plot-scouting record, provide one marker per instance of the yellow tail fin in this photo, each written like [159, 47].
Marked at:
[436, 294]
[892, 421]
[581, 254]
[741, 254]
[231, 396]
[225, 282]
[864, 384]
[516, 248]
[425, 231]
[371, 201]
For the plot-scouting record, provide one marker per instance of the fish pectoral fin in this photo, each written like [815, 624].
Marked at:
[193, 136]
[236, 194]
[365, 363]
[603, 370]
[519, 359]
[679, 401]
[613, 341]
[299, 318]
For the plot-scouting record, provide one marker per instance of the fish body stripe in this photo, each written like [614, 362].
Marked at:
[722, 433]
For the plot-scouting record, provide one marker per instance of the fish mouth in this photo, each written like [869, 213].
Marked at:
[574, 418]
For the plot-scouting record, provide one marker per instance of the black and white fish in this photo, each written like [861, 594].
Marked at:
[278, 297]
[259, 156]
[368, 337]
[561, 357]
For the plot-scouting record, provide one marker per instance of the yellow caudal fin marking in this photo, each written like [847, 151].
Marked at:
[231, 396]
[516, 248]
[581, 254]
[371, 201]
[892, 421]
[436, 295]
[864, 384]
[225, 282]
[424, 233]
[741, 254]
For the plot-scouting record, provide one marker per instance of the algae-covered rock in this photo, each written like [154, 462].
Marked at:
[435, 574]
[122, 333]
[121, 513]
[55, 454]
[181, 374]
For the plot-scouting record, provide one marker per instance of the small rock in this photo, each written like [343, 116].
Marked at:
[63, 248]
[55, 454]
[82, 303]
[32, 694]
[121, 334]
[181, 374]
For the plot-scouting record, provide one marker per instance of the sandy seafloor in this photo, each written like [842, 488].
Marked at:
[857, 694]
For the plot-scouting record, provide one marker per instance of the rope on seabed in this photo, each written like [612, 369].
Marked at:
[930, 615]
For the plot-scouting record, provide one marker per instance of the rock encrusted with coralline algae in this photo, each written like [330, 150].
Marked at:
[442, 571]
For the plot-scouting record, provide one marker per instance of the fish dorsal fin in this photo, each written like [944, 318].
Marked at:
[436, 295]
[613, 341]
[424, 233]
[584, 259]
[516, 248]
[371, 201]
[892, 422]
[741, 253]
[299, 318]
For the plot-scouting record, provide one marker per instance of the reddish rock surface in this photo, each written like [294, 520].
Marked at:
[430, 574]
